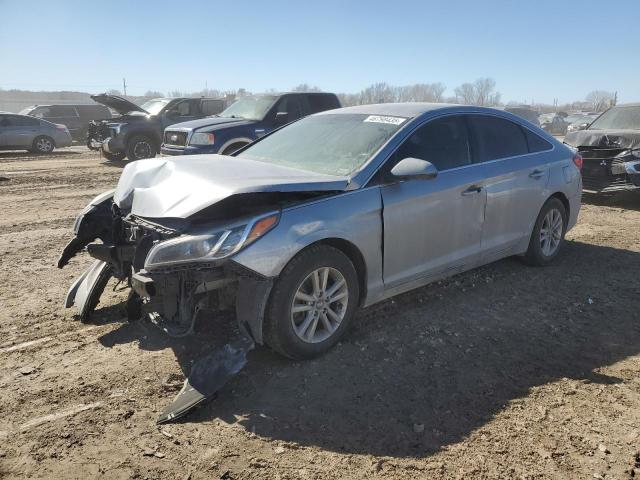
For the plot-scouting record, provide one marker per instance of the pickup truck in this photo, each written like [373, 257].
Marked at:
[137, 132]
[246, 120]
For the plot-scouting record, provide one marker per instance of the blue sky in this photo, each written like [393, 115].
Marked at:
[535, 50]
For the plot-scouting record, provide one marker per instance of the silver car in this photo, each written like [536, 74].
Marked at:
[334, 212]
[22, 132]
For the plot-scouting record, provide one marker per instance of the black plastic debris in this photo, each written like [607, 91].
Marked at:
[208, 375]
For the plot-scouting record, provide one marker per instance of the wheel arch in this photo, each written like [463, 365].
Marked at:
[354, 254]
[565, 201]
[243, 141]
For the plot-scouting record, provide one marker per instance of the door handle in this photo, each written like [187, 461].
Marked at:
[472, 190]
[537, 174]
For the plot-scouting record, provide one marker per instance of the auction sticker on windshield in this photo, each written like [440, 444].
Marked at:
[384, 119]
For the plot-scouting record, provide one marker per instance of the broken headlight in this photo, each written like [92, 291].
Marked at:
[209, 246]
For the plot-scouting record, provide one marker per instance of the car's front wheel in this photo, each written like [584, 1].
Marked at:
[548, 233]
[312, 303]
[42, 144]
[140, 147]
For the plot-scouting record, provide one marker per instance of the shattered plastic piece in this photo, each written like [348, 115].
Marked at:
[87, 289]
[208, 375]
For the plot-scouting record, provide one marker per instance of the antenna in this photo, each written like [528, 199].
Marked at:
[124, 86]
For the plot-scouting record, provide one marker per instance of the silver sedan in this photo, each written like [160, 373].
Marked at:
[331, 213]
[22, 132]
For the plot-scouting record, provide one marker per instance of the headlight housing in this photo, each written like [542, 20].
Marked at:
[210, 245]
[199, 138]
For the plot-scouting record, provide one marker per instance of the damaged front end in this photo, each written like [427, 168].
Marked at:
[611, 160]
[173, 276]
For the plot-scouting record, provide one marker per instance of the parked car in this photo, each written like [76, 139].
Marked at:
[23, 132]
[610, 146]
[525, 112]
[247, 119]
[137, 133]
[75, 117]
[339, 210]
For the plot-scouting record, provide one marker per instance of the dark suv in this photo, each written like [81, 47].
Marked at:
[75, 117]
[243, 122]
[137, 132]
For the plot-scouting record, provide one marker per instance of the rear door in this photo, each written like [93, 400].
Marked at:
[515, 181]
[433, 227]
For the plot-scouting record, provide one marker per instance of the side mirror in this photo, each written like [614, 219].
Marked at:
[281, 118]
[409, 168]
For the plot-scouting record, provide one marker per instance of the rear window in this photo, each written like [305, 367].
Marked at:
[212, 107]
[496, 138]
[536, 142]
[320, 103]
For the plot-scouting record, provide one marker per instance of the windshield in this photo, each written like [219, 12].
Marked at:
[155, 106]
[332, 144]
[618, 118]
[251, 108]
[26, 111]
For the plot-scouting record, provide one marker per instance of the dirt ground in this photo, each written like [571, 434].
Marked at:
[507, 371]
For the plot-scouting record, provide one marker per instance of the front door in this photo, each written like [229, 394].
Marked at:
[433, 227]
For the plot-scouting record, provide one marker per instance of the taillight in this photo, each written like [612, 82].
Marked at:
[577, 159]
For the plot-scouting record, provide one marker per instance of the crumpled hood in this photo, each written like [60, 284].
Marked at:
[180, 188]
[604, 138]
[210, 123]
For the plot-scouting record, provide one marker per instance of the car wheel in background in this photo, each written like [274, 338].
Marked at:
[312, 303]
[140, 147]
[548, 233]
[43, 144]
[113, 157]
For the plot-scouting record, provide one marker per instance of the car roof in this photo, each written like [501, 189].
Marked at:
[409, 109]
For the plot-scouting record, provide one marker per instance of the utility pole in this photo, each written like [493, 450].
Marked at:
[124, 86]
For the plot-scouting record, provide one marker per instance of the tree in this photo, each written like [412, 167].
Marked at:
[153, 94]
[305, 87]
[481, 92]
[600, 100]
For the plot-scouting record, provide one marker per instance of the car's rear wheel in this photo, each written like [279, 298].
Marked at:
[312, 303]
[43, 144]
[140, 147]
[548, 233]
[113, 157]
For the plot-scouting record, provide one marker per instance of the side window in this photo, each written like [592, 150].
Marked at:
[536, 142]
[183, 109]
[443, 142]
[320, 103]
[212, 107]
[24, 121]
[293, 106]
[41, 112]
[496, 138]
[62, 111]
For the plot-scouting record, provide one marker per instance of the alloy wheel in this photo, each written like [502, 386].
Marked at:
[44, 145]
[319, 305]
[551, 232]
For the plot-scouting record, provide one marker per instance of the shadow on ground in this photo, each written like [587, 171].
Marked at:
[448, 356]
[628, 200]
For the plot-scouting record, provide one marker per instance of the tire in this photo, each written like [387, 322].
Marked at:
[140, 147]
[541, 252]
[233, 148]
[113, 157]
[43, 144]
[284, 330]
